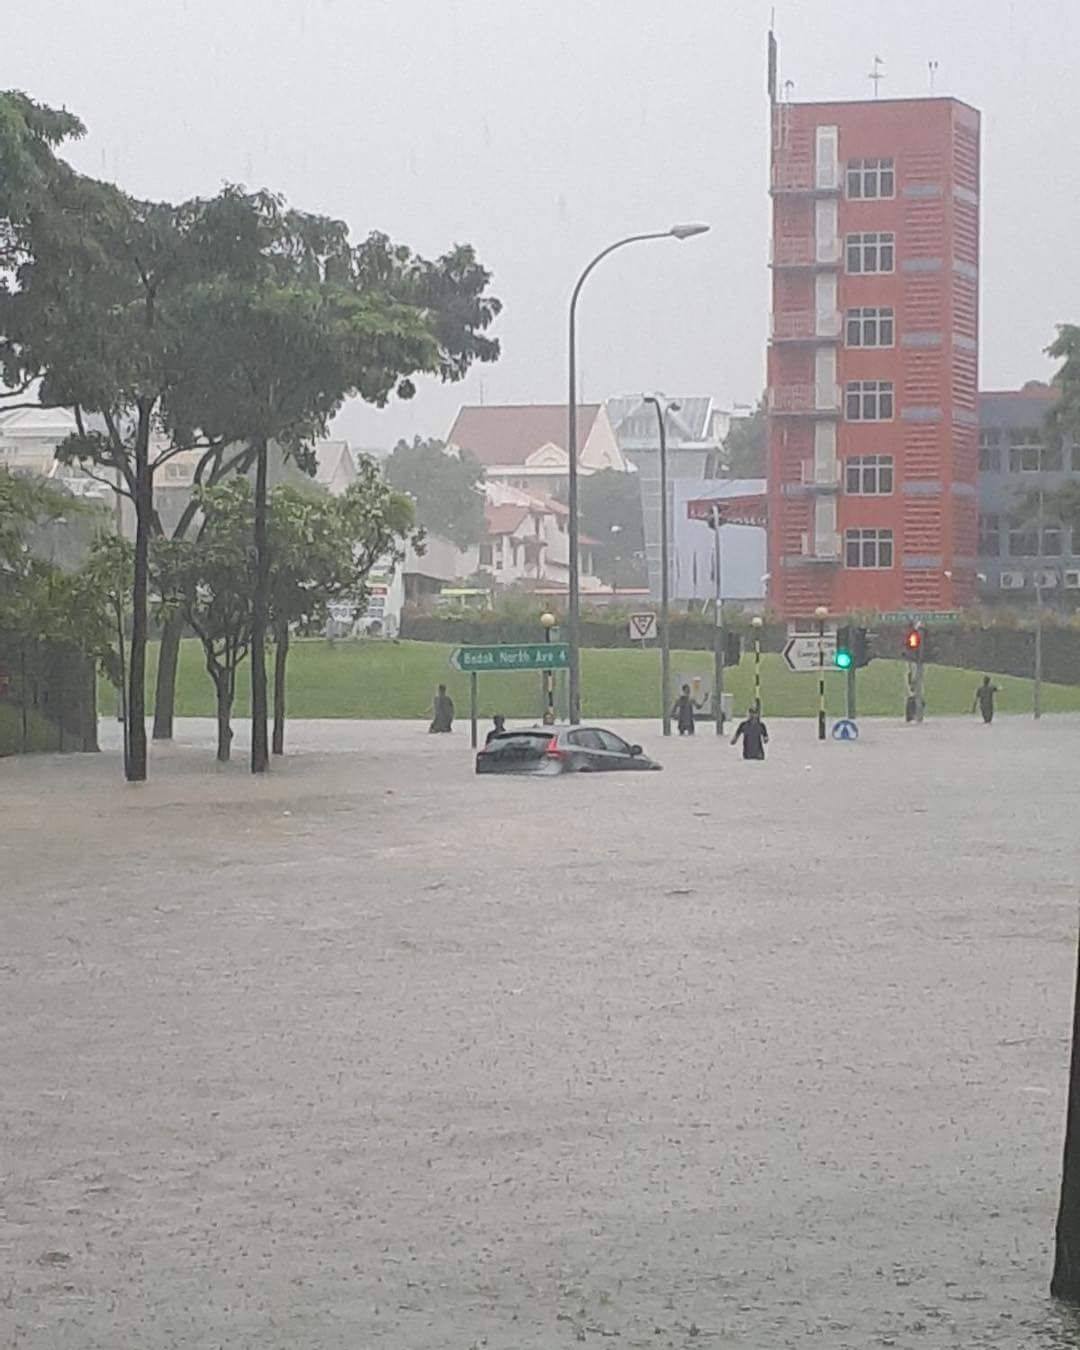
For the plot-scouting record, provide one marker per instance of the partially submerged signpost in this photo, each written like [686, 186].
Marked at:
[506, 656]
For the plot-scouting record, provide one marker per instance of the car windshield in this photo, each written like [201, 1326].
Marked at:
[519, 742]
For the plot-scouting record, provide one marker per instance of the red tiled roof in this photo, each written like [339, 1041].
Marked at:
[510, 433]
[504, 519]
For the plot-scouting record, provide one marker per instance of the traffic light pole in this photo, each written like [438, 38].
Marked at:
[852, 707]
[821, 680]
[920, 686]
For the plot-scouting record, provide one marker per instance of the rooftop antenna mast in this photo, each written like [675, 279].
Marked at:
[933, 67]
[875, 76]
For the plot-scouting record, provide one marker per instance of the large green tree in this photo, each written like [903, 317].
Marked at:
[745, 445]
[231, 322]
[93, 317]
[610, 504]
[323, 549]
[447, 489]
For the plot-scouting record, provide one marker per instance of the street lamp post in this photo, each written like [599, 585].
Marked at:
[665, 634]
[757, 623]
[821, 614]
[718, 635]
[1036, 692]
[548, 621]
[573, 613]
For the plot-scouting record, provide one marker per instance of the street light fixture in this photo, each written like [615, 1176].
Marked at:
[573, 614]
[757, 623]
[548, 622]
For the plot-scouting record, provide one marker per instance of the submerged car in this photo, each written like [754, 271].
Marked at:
[553, 750]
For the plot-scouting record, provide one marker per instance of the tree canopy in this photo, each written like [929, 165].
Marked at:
[446, 489]
[610, 504]
[746, 444]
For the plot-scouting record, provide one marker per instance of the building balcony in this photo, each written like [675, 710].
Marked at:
[821, 548]
[823, 477]
[791, 252]
[806, 325]
[804, 400]
[802, 178]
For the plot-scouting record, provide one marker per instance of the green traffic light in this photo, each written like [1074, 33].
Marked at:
[843, 660]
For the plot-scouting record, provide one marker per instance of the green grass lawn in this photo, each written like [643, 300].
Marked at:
[41, 733]
[397, 679]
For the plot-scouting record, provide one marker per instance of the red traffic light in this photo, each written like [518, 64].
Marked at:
[913, 640]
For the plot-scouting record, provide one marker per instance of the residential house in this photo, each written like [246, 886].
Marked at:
[525, 445]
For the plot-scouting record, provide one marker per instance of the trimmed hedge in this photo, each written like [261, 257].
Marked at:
[996, 649]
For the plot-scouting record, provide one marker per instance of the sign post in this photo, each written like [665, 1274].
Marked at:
[473, 706]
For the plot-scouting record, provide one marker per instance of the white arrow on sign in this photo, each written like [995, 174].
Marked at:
[804, 654]
[642, 627]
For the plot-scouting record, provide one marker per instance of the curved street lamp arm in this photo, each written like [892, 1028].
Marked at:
[619, 243]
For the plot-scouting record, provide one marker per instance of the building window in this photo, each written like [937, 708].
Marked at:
[1023, 541]
[869, 475]
[870, 327]
[1051, 541]
[1028, 454]
[869, 178]
[989, 450]
[1076, 459]
[868, 548]
[869, 401]
[870, 253]
[989, 536]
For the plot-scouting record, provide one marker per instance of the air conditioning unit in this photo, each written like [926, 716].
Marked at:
[1012, 581]
[1072, 580]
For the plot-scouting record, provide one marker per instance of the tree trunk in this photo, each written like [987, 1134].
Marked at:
[89, 709]
[1065, 1284]
[165, 693]
[281, 656]
[260, 758]
[224, 687]
[135, 766]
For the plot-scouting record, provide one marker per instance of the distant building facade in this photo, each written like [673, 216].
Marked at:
[1014, 463]
[694, 430]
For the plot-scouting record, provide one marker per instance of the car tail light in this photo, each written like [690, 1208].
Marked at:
[553, 751]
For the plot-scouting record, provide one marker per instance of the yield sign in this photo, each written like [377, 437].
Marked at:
[642, 627]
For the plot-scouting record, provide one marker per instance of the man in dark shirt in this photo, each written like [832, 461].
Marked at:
[754, 734]
[984, 699]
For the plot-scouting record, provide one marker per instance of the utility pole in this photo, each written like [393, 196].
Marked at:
[665, 631]
[718, 635]
[1036, 692]
[821, 614]
[1065, 1283]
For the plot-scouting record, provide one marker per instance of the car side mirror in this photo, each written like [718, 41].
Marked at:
[635, 750]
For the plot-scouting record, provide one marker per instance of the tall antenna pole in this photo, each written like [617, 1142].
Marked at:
[933, 66]
[875, 76]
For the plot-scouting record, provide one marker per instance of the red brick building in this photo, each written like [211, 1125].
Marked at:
[873, 356]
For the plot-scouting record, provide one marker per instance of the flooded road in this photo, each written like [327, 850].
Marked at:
[375, 1053]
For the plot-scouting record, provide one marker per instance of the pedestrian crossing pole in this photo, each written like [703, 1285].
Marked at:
[821, 614]
[756, 623]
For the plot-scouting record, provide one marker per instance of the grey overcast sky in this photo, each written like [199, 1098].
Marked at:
[540, 130]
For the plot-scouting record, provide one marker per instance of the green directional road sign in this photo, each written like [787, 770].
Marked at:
[512, 656]
[927, 616]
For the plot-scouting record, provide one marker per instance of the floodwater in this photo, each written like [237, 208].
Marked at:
[376, 1053]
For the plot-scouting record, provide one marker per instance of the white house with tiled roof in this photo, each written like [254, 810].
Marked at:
[525, 445]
